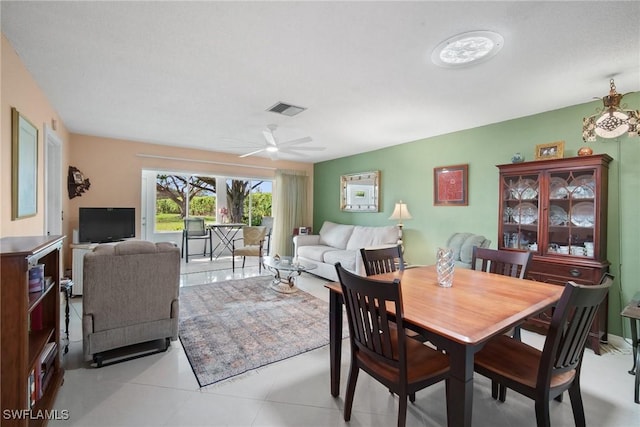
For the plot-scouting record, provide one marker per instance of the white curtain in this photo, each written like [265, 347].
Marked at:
[291, 208]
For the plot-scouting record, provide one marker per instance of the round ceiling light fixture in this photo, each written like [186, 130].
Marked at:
[468, 48]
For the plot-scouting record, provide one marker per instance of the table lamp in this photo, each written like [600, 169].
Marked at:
[400, 212]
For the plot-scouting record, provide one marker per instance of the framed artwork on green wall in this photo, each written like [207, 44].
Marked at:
[451, 185]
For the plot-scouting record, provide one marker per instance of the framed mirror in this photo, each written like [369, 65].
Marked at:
[360, 192]
[24, 164]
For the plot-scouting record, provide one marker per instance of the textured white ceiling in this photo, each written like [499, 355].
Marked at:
[202, 74]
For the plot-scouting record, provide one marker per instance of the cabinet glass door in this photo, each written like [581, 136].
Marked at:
[520, 212]
[571, 213]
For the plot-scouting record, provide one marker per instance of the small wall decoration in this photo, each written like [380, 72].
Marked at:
[359, 192]
[76, 182]
[552, 150]
[24, 166]
[450, 185]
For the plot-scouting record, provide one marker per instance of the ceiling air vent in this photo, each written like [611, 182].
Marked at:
[286, 109]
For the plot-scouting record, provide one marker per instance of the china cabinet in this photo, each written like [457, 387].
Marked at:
[30, 328]
[558, 210]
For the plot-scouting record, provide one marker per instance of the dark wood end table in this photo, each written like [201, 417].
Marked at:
[632, 311]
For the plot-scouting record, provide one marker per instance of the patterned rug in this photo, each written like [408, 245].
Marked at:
[231, 327]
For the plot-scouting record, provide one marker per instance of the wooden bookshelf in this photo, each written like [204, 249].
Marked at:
[29, 321]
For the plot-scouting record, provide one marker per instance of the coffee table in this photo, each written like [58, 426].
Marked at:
[285, 270]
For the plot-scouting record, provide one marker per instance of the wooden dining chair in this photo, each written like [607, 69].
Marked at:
[506, 263]
[545, 375]
[252, 245]
[383, 351]
[382, 260]
[195, 229]
[386, 260]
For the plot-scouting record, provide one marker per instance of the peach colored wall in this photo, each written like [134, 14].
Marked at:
[114, 168]
[19, 90]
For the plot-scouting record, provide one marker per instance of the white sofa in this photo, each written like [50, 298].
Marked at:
[341, 243]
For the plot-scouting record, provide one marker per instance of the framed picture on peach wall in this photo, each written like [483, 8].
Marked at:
[451, 185]
[24, 166]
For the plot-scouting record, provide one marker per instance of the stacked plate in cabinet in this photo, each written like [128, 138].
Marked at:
[525, 189]
[525, 213]
[583, 214]
[582, 187]
[558, 216]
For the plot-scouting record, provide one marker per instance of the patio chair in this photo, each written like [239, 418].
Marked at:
[194, 229]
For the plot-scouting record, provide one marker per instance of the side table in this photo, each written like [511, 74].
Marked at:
[632, 311]
[66, 286]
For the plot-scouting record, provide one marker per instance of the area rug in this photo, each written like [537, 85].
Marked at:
[230, 327]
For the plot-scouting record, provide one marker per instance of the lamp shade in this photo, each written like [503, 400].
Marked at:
[400, 212]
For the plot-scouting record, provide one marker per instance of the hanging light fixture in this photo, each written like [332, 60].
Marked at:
[611, 121]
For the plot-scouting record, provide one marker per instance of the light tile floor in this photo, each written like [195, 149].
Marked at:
[161, 390]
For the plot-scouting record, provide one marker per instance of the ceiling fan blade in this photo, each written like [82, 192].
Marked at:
[253, 152]
[292, 152]
[296, 141]
[268, 135]
[306, 148]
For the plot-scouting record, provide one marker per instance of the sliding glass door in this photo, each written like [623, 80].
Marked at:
[168, 198]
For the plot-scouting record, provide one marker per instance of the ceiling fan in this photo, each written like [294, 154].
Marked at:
[273, 147]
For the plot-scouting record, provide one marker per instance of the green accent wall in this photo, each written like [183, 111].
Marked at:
[407, 174]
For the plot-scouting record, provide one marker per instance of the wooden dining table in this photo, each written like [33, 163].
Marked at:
[458, 320]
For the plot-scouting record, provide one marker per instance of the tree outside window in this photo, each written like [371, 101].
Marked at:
[181, 196]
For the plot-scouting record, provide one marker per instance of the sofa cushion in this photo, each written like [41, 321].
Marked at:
[314, 252]
[335, 235]
[466, 251]
[345, 257]
[455, 242]
[366, 237]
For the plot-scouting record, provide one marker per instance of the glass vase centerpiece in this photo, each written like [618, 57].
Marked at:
[444, 267]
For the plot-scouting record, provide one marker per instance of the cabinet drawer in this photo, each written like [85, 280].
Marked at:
[561, 273]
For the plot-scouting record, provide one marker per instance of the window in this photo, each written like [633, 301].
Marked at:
[180, 195]
[248, 200]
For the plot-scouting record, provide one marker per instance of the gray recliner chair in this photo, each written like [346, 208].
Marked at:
[462, 245]
[130, 296]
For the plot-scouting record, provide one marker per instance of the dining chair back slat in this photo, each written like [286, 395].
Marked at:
[573, 330]
[368, 315]
[506, 263]
[382, 260]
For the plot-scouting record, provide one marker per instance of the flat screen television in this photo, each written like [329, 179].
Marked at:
[101, 225]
